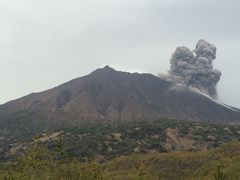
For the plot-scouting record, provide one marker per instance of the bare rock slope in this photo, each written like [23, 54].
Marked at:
[110, 95]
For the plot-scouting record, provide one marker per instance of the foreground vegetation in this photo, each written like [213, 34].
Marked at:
[162, 149]
[110, 140]
[42, 163]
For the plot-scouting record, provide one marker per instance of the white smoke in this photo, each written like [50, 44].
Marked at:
[194, 68]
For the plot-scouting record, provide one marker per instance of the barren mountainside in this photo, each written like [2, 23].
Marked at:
[107, 94]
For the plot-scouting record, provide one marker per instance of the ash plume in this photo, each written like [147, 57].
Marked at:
[195, 68]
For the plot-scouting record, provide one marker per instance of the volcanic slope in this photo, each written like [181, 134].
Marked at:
[110, 95]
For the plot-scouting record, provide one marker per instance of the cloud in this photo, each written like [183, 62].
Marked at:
[69, 38]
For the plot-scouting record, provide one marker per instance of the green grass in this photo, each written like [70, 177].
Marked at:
[42, 163]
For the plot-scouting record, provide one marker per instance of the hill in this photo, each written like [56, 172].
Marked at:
[106, 141]
[110, 95]
[108, 103]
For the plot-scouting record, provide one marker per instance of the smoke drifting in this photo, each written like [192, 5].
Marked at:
[194, 68]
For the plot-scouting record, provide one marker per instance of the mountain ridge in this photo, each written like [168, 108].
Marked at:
[107, 94]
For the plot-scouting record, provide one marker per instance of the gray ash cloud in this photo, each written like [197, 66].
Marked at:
[195, 68]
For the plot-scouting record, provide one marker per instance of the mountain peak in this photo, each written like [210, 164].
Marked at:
[108, 68]
[105, 70]
[114, 95]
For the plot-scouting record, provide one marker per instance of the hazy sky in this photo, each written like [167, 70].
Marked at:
[44, 43]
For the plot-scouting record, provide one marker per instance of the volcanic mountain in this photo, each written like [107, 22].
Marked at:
[110, 95]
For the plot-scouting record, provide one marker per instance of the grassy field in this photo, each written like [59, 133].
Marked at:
[42, 163]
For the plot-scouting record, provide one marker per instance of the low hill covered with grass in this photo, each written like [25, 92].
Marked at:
[41, 163]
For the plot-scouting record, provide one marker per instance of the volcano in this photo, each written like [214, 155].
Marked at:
[110, 95]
